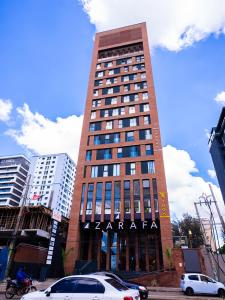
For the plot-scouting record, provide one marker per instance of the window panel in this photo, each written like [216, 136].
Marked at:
[82, 198]
[117, 196]
[108, 193]
[127, 196]
[98, 204]
[129, 136]
[89, 199]
[136, 191]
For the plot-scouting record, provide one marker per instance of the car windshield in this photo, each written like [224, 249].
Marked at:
[116, 284]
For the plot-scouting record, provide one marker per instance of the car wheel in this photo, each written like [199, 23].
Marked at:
[221, 293]
[189, 291]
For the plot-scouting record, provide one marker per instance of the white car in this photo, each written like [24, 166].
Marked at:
[193, 283]
[85, 287]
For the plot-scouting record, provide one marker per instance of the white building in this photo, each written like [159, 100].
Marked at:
[13, 176]
[52, 181]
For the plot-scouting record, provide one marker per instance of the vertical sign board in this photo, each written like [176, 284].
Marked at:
[56, 219]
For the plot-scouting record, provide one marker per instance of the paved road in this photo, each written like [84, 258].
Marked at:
[159, 296]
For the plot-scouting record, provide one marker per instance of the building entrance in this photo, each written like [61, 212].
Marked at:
[122, 250]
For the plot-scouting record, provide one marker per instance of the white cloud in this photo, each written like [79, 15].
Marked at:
[212, 174]
[184, 186]
[220, 98]
[43, 136]
[5, 110]
[172, 24]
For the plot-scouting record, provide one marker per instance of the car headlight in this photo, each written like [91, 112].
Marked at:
[142, 288]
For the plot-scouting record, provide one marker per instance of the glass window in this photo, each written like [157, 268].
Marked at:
[115, 112]
[109, 125]
[94, 171]
[95, 126]
[148, 167]
[126, 69]
[125, 78]
[155, 194]
[146, 196]
[143, 75]
[106, 113]
[149, 149]
[133, 122]
[100, 74]
[116, 284]
[117, 196]
[126, 88]
[193, 277]
[105, 170]
[130, 168]
[108, 64]
[129, 136]
[119, 153]
[131, 109]
[126, 99]
[89, 198]
[116, 138]
[108, 193]
[88, 155]
[136, 190]
[96, 140]
[82, 198]
[93, 115]
[144, 96]
[95, 93]
[98, 66]
[145, 134]
[127, 196]
[64, 286]
[114, 100]
[122, 110]
[98, 204]
[120, 123]
[89, 286]
[146, 120]
[116, 170]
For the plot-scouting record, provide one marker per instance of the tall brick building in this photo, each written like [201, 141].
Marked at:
[120, 215]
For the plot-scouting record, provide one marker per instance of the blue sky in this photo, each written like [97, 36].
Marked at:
[45, 56]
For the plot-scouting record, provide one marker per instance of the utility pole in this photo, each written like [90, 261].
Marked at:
[211, 261]
[208, 200]
[217, 208]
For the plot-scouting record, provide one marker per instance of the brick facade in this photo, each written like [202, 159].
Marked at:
[124, 49]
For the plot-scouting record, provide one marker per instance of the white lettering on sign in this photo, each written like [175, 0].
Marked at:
[109, 226]
[97, 225]
[154, 225]
[120, 226]
[127, 225]
[133, 226]
[144, 224]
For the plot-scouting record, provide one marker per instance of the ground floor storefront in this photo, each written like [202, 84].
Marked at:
[122, 246]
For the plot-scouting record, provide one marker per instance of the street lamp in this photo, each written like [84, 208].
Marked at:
[190, 237]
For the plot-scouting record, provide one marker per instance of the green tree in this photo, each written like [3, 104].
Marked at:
[190, 227]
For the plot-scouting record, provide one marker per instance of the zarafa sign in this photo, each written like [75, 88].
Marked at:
[126, 225]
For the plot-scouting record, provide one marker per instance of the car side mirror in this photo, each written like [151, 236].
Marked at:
[48, 292]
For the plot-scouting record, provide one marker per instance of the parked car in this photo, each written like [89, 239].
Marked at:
[131, 285]
[85, 287]
[193, 283]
